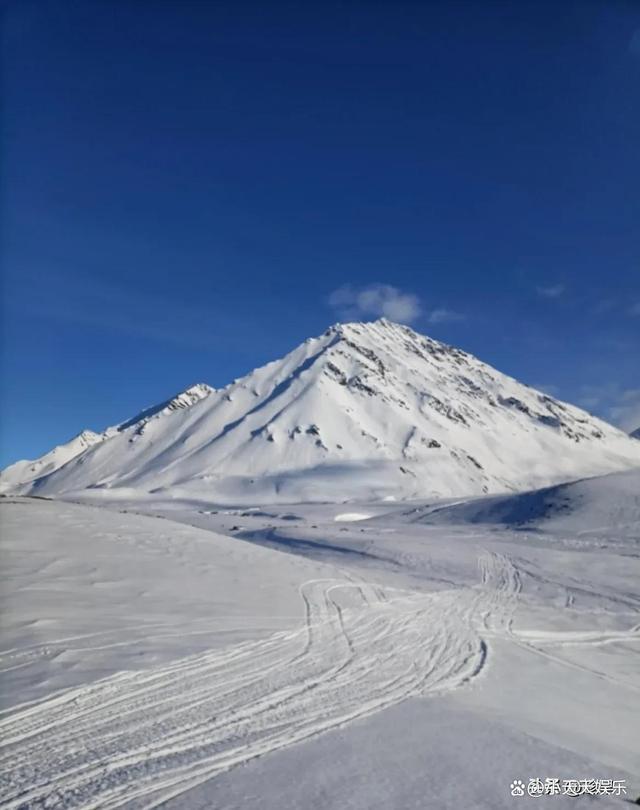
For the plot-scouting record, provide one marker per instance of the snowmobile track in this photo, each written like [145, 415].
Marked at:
[140, 738]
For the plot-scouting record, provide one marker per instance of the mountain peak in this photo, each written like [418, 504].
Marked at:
[385, 335]
[377, 325]
[367, 410]
[184, 399]
[88, 436]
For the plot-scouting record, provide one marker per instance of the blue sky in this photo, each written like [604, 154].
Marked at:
[192, 189]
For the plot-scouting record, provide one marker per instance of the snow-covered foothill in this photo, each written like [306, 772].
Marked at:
[609, 503]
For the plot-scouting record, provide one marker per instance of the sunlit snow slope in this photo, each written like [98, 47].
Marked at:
[25, 472]
[22, 474]
[364, 411]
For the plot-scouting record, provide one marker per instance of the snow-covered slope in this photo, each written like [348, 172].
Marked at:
[21, 475]
[180, 401]
[25, 472]
[144, 660]
[364, 411]
[592, 505]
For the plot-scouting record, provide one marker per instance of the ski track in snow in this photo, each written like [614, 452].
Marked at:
[140, 738]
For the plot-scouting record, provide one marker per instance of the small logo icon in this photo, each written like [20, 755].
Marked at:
[517, 787]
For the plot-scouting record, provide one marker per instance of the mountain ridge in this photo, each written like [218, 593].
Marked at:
[365, 410]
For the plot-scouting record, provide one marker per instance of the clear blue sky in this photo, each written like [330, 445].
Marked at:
[186, 184]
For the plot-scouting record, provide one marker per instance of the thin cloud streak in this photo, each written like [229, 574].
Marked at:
[385, 300]
[444, 315]
[551, 291]
[375, 300]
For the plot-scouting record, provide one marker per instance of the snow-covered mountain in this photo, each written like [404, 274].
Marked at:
[19, 476]
[635, 433]
[366, 410]
[23, 473]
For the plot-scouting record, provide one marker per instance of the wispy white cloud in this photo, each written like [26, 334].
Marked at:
[375, 300]
[593, 397]
[620, 406]
[444, 315]
[617, 306]
[551, 291]
[385, 300]
[604, 306]
[626, 412]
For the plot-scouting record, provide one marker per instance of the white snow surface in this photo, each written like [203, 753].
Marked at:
[365, 411]
[368, 664]
[592, 506]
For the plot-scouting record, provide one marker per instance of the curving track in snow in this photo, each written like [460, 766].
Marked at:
[139, 738]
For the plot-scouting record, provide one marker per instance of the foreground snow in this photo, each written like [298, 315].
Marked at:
[345, 657]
